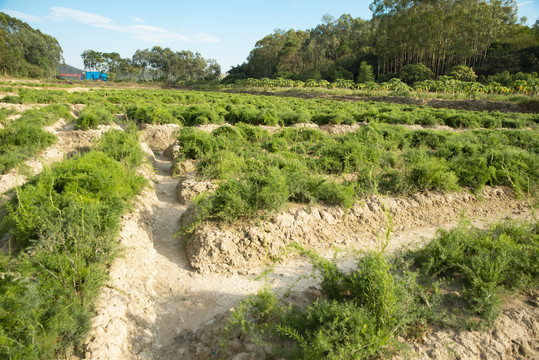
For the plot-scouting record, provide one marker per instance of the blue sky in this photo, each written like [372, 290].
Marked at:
[223, 30]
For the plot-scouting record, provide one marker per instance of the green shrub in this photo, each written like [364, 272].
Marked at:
[306, 189]
[424, 172]
[262, 189]
[151, 114]
[4, 113]
[47, 115]
[123, 146]
[200, 115]
[228, 137]
[19, 141]
[366, 74]
[93, 115]
[63, 225]
[360, 316]
[415, 72]
[250, 114]
[196, 144]
[332, 330]
[252, 133]
[222, 164]
[297, 116]
[462, 73]
[502, 258]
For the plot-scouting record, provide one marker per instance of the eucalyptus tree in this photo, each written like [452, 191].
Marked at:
[173, 66]
[464, 30]
[92, 60]
[27, 51]
[141, 59]
[264, 58]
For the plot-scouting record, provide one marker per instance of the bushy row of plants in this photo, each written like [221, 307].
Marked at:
[31, 96]
[362, 313]
[37, 84]
[503, 84]
[94, 115]
[254, 180]
[25, 137]
[62, 226]
[197, 108]
[260, 171]
[216, 108]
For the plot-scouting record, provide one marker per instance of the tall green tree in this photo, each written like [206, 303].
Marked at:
[26, 51]
[366, 73]
[464, 31]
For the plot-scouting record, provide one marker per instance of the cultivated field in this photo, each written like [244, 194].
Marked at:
[169, 224]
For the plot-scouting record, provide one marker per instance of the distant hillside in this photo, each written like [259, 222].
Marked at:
[68, 69]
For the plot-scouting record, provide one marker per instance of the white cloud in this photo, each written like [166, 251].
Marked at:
[61, 13]
[22, 16]
[152, 33]
[525, 3]
[138, 31]
[206, 38]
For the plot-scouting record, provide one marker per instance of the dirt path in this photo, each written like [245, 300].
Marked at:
[184, 300]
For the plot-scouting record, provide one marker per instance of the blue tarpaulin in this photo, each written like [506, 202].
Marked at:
[96, 75]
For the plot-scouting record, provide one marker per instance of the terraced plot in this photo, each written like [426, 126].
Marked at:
[236, 182]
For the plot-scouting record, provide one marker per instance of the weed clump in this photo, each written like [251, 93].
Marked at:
[94, 115]
[151, 114]
[25, 137]
[491, 262]
[362, 312]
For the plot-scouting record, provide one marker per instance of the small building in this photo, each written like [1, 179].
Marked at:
[67, 76]
[68, 72]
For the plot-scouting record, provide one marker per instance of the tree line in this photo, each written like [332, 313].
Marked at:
[26, 51]
[155, 64]
[485, 35]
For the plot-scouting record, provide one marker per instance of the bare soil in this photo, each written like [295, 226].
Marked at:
[216, 247]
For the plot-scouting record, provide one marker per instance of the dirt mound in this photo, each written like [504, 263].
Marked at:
[158, 137]
[340, 129]
[515, 335]
[216, 247]
[81, 140]
[125, 308]
[21, 107]
[188, 187]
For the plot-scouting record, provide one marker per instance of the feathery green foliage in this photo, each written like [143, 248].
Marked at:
[25, 137]
[93, 115]
[362, 312]
[63, 225]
